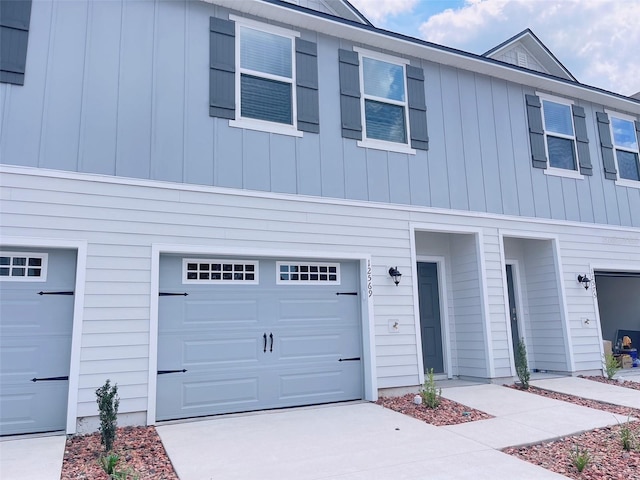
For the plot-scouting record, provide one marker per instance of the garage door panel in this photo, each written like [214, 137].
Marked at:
[217, 333]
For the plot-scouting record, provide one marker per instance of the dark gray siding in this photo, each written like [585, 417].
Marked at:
[123, 89]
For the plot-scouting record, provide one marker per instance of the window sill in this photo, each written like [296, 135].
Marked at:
[267, 127]
[386, 146]
[623, 182]
[561, 172]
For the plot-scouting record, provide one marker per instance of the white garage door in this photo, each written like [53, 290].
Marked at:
[237, 335]
[36, 319]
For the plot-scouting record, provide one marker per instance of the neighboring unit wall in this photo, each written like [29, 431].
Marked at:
[122, 89]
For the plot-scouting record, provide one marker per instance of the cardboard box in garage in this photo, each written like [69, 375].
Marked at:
[607, 347]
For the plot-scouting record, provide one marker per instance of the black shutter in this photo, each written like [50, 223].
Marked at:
[582, 141]
[350, 112]
[222, 73]
[536, 132]
[417, 108]
[606, 146]
[14, 37]
[307, 86]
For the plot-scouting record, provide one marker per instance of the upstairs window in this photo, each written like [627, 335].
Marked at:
[559, 135]
[625, 145]
[384, 100]
[266, 76]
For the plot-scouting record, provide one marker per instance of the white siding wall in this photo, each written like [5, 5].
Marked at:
[120, 222]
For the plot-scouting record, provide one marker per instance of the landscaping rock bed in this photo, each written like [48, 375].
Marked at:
[447, 413]
[140, 450]
[620, 383]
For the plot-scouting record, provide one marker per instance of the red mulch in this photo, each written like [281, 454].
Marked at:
[139, 448]
[620, 383]
[608, 460]
[447, 413]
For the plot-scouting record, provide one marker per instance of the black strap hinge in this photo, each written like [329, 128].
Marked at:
[55, 293]
[162, 372]
[48, 379]
[170, 294]
[347, 293]
[353, 359]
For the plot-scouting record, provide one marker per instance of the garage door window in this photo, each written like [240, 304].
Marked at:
[219, 271]
[309, 273]
[26, 267]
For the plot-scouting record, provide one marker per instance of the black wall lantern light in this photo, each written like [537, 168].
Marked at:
[585, 281]
[395, 274]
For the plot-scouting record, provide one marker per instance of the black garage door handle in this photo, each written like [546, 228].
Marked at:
[162, 372]
[48, 379]
[271, 338]
[264, 337]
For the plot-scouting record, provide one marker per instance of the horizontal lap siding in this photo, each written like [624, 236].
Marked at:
[83, 109]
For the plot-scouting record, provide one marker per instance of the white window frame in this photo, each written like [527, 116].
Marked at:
[373, 142]
[623, 182]
[308, 282]
[555, 171]
[254, 123]
[255, 263]
[43, 269]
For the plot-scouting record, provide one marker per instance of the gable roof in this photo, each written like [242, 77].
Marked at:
[535, 47]
[407, 46]
[345, 9]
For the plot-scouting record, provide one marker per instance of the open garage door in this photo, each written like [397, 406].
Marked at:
[619, 305]
[238, 335]
[36, 320]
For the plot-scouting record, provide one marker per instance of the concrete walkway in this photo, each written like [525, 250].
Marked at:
[584, 388]
[32, 458]
[360, 441]
[524, 418]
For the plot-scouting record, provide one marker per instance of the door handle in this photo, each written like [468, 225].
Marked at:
[271, 338]
[264, 337]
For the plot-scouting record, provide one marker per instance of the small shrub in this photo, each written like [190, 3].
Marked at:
[580, 458]
[431, 395]
[108, 403]
[627, 437]
[109, 462]
[522, 367]
[610, 365]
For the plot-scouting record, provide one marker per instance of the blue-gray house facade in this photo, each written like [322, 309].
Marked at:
[207, 198]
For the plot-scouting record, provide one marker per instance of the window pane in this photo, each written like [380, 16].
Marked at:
[628, 165]
[383, 79]
[561, 153]
[624, 133]
[266, 99]
[385, 122]
[557, 118]
[265, 52]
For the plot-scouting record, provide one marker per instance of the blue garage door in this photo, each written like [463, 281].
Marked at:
[237, 335]
[36, 319]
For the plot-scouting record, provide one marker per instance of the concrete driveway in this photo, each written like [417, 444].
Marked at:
[357, 441]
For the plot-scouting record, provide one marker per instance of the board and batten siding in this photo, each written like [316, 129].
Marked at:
[122, 89]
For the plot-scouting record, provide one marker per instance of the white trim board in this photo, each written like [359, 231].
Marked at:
[108, 179]
[366, 304]
[80, 246]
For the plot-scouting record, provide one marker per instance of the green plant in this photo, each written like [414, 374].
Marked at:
[627, 437]
[430, 394]
[109, 462]
[610, 365]
[522, 367]
[108, 403]
[580, 458]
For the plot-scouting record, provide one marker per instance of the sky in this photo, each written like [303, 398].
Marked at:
[598, 41]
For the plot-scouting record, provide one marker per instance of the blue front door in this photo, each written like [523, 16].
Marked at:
[430, 325]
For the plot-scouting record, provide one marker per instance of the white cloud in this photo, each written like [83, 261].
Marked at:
[597, 40]
[377, 11]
